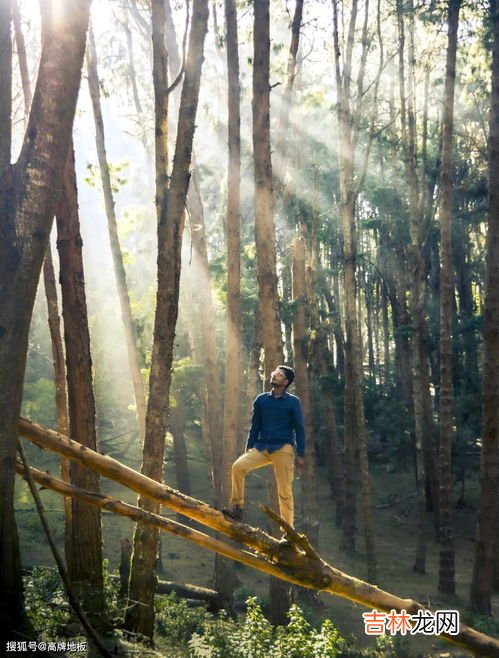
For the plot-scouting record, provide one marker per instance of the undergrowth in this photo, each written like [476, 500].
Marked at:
[186, 632]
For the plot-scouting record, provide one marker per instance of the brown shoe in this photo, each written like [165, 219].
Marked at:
[234, 513]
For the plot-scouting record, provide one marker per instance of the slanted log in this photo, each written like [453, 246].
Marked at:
[298, 563]
[139, 515]
[141, 484]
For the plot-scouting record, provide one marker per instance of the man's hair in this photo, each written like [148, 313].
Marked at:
[289, 372]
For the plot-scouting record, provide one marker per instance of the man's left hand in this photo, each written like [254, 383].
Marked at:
[299, 463]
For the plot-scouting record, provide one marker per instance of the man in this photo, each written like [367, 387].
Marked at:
[276, 437]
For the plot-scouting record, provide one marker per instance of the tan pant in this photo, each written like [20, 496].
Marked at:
[283, 461]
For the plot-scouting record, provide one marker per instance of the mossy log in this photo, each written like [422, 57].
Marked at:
[297, 563]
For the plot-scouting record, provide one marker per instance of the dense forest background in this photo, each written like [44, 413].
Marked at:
[252, 183]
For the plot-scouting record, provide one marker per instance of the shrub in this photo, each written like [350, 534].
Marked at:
[175, 620]
[45, 602]
[255, 637]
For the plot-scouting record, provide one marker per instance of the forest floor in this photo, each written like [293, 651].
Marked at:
[395, 524]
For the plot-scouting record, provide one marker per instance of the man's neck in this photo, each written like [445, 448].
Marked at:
[278, 391]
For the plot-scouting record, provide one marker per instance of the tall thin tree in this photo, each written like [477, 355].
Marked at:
[481, 586]
[348, 131]
[224, 574]
[112, 225]
[265, 231]
[171, 220]
[419, 216]
[446, 580]
[301, 353]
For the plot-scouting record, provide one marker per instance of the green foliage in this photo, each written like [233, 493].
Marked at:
[114, 610]
[183, 631]
[390, 423]
[175, 620]
[482, 623]
[39, 401]
[390, 647]
[255, 637]
[48, 609]
[46, 604]
[186, 379]
[116, 171]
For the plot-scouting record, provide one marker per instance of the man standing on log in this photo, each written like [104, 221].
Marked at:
[276, 437]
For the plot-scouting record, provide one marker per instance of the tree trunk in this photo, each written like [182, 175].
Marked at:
[481, 586]
[321, 366]
[387, 361]
[333, 451]
[84, 536]
[133, 81]
[119, 267]
[302, 385]
[27, 207]
[336, 321]
[254, 385]
[139, 613]
[213, 407]
[61, 398]
[177, 423]
[140, 618]
[418, 271]
[283, 128]
[202, 278]
[355, 432]
[446, 580]
[212, 399]
[224, 571]
[265, 233]
[233, 331]
[264, 217]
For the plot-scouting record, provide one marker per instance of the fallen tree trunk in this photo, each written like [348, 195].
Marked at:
[298, 564]
[188, 591]
[182, 590]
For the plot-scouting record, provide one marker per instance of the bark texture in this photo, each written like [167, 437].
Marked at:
[302, 386]
[481, 586]
[84, 529]
[446, 580]
[29, 192]
[355, 432]
[264, 217]
[140, 618]
[265, 235]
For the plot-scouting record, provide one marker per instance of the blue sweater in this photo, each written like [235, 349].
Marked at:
[275, 422]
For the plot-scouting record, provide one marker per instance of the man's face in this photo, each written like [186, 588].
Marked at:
[278, 378]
